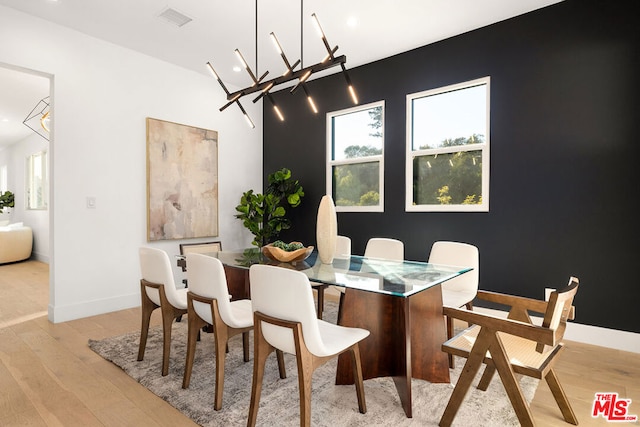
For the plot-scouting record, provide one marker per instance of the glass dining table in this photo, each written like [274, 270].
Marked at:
[399, 302]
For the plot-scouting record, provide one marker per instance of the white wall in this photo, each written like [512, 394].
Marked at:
[101, 95]
[15, 156]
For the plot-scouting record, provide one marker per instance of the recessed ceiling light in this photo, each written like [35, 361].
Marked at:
[352, 21]
[237, 69]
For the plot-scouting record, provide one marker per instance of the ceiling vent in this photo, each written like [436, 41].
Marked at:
[174, 17]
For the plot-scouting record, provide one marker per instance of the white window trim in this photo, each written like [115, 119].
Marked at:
[330, 163]
[411, 154]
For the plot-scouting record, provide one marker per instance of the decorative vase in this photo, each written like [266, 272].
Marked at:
[326, 230]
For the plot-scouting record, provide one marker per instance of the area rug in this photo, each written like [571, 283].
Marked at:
[332, 405]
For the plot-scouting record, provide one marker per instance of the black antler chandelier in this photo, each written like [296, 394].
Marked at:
[290, 74]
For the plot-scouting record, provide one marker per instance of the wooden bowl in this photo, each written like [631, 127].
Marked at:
[278, 254]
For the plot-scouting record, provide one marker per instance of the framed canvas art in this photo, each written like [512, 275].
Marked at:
[182, 181]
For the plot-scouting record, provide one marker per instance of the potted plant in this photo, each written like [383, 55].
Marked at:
[265, 214]
[7, 200]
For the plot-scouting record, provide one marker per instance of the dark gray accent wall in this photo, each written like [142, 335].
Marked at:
[565, 118]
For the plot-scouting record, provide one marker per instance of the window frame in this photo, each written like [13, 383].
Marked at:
[330, 162]
[31, 186]
[411, 154]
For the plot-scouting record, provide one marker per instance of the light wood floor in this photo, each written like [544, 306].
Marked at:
[50, 377]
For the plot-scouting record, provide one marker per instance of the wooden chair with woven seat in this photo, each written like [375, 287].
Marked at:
[285, 319]
[158, 290]
[512, 346]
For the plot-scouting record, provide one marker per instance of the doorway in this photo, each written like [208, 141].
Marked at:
[26, 93]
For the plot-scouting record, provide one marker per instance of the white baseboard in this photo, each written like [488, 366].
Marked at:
[92, 308]
[594, 335]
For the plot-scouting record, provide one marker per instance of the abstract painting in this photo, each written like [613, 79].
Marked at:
[182, 181]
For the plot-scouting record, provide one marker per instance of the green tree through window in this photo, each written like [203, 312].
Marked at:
[355, 139]
[448, 149]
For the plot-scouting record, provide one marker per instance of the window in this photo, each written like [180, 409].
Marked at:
[36, 179]
[447, 165]
[355, 165]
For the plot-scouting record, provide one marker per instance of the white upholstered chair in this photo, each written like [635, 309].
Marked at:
[343, 247]
[384, 248]
[285, 319]
[208, 304]
[343, 250]
[158, 290]
[459, 291]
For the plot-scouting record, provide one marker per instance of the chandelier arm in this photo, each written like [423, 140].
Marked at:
[295, 75]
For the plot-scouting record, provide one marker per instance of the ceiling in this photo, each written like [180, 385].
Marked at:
[364, 30]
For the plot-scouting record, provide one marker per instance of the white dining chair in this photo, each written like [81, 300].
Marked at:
[384, 248]
[285, 319]
[158, 290]
[208, 303]
[343, 251]
[459, 291]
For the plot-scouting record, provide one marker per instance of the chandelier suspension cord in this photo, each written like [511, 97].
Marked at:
[257, 70]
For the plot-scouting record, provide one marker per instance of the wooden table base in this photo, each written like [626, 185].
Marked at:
[406, 336]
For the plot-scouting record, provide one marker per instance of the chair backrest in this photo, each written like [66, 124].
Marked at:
[207, 278]
[285, 294]
[155, 267]
[458, 254]
[343, 246]
[199, 248]
[384, 248]
[560, 309]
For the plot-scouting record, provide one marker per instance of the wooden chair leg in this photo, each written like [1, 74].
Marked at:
[487, 376]
[340, 302]
[449, 336]
[511, 386]
[305, 374]
[147, 308]
[281, 367]
[321, 300]
[561, 398]
[469, 371]
[221, 340]
[245, 346]
[194, 324]
[167, 321]
[357, 375]
[261, 349]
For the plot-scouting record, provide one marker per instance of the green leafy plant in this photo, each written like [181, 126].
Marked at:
[7, 200]
[264, 215]
[287, 247]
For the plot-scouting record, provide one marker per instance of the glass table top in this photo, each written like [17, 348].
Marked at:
[399, 278]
